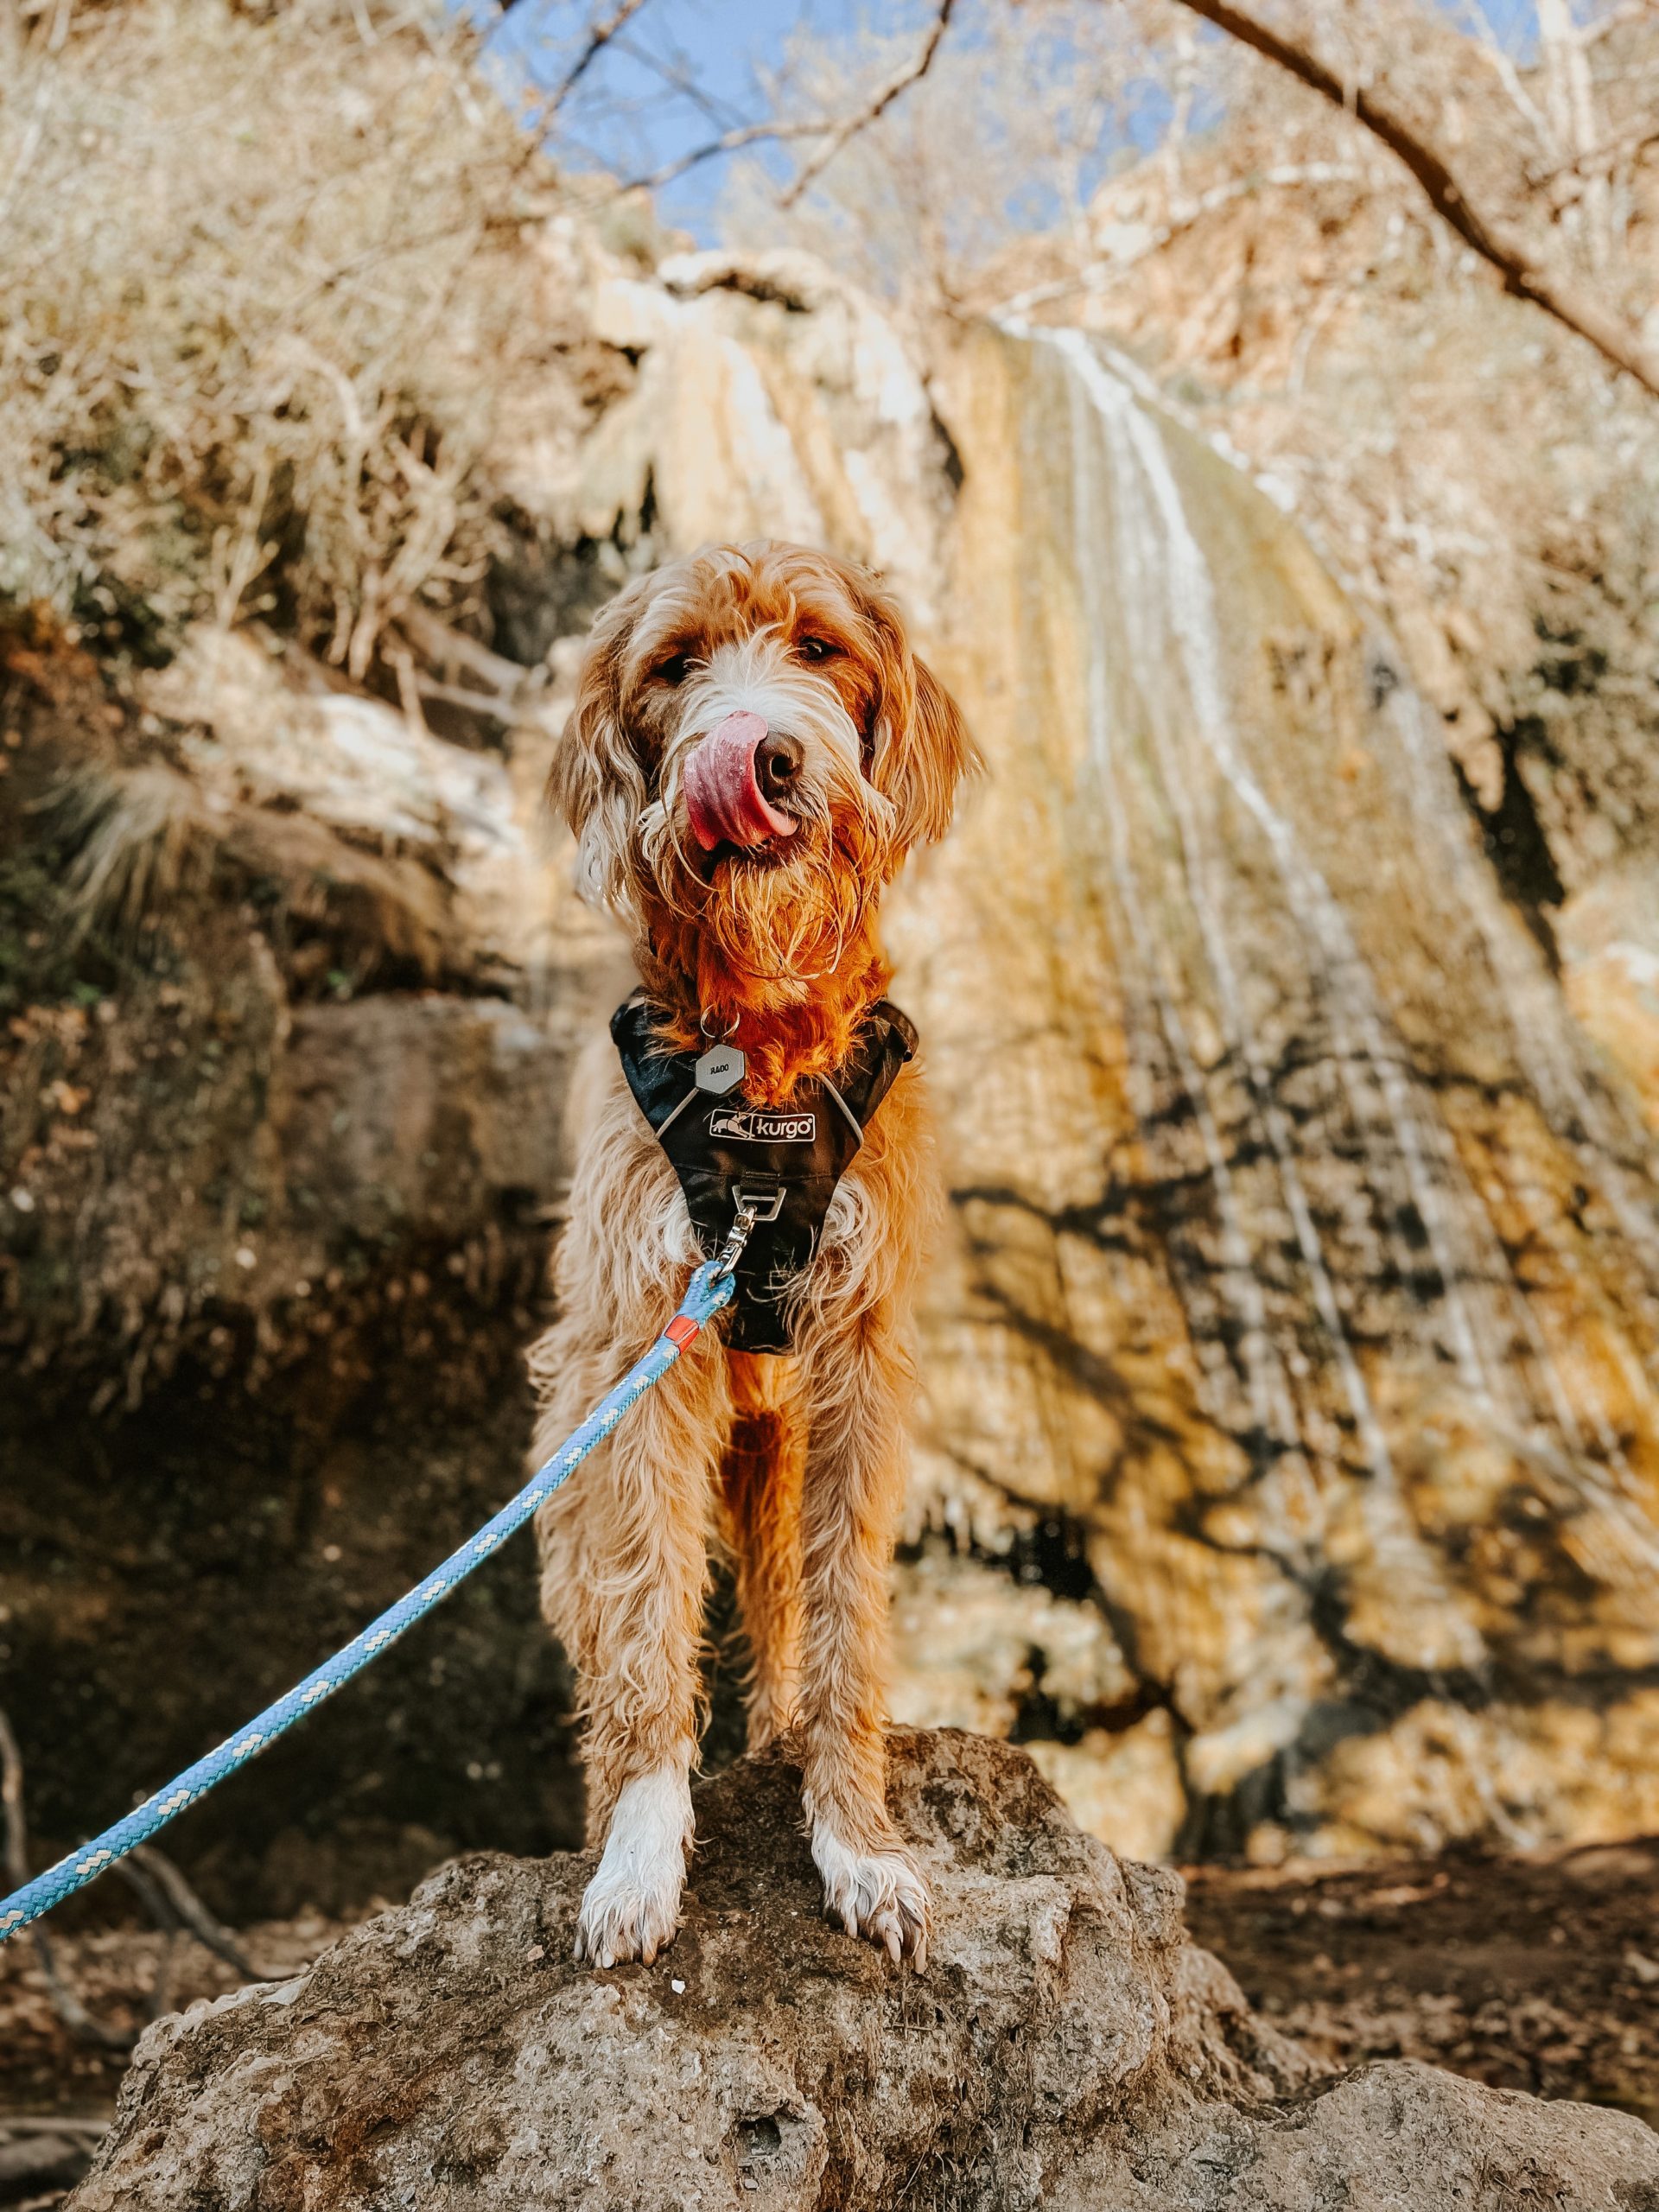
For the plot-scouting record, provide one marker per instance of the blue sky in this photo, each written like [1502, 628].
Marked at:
[726, 42]
[631, 121]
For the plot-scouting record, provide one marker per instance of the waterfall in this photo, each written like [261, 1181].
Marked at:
[1330, 1314]
[1302, 1283]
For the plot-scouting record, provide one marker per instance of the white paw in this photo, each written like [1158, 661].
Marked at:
[876, 1894]
[632, 1907]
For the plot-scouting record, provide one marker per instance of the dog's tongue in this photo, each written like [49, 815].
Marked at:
[722, 796]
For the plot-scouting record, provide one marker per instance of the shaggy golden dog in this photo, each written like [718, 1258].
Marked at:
[753, 750]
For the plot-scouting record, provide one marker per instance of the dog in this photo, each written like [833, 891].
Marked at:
[753, 750]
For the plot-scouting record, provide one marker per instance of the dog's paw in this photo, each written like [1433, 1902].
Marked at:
[623, 1918]
[632, 1907]
[880, 1895]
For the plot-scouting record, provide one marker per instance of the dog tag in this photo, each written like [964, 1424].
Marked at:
[720, 1070]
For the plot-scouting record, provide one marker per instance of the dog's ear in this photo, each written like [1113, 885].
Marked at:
[926, 759]
[596, 782]
[922, 746]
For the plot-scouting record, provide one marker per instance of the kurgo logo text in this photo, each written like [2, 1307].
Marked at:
[757, 1126]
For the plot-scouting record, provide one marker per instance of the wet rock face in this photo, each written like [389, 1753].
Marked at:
[1289, 1472]
[1306, 1259]
[1068, 2047]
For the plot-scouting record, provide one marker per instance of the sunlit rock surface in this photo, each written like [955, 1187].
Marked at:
[1609, 940]
[1068, 2047]
[1306, 1258]
[1294, 1341]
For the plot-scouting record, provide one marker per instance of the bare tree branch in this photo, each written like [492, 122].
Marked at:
[1632, 12]
[1509, 255]
[81, 2023]
[837, 130]
[600, 35]
[193, 1915]
[448, 650]
[15, 1857]
[1491, 50]
[730, 142]
[45, 2153]
[674, 70]
[168, 1898]
[913, 70]
[1093, 276]
[1610, 151]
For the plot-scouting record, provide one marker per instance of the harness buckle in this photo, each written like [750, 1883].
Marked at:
[752, 1207]
[762, 1205]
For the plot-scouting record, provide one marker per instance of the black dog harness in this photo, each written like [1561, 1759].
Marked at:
[782, 1161]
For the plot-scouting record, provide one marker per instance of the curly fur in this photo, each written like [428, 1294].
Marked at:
[795, 1463]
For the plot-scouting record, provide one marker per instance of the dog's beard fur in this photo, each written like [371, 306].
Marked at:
[779, 943]
[787, 914]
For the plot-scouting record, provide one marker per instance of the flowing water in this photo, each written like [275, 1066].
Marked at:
[1289, 1466]
[1304, 1259]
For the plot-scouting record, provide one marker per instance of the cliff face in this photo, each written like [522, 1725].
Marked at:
[1306, 1259]
[1289, 1472]
[283, 1130]
[1288, 1463]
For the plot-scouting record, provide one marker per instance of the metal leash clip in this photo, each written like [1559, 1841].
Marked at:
[753, 1206]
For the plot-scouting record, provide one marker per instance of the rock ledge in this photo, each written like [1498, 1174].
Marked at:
[1069, 2048]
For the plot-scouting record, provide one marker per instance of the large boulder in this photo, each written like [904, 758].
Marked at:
[1068, 2047]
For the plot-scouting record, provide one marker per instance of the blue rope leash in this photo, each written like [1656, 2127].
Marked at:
[710, 1289]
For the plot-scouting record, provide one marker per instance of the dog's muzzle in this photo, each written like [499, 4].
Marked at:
[732, 778]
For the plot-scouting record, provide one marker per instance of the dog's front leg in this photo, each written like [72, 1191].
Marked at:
[857, 1383]
[623, 1578]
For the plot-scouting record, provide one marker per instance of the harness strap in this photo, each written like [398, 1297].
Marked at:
[782, 1163]
[710, 1289]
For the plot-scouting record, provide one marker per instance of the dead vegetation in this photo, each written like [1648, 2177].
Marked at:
[256, 337]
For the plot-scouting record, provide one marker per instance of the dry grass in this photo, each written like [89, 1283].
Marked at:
[137, 842]
[254, 333]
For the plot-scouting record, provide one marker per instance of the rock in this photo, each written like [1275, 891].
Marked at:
[274, 1210]
[1290, 1365]
[1068, 2047]
[1609, 940]
[1304, 1267]
[1291, 1352]
[428, 1109]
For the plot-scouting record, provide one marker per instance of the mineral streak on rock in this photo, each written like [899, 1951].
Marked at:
[1289, 1479]
[1306, 1252]
[1069, 2048]
[1305, 1256]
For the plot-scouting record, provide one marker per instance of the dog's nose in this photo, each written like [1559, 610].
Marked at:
[777, 764]
[778, 761]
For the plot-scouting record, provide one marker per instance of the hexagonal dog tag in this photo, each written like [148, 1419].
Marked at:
[720, 1070]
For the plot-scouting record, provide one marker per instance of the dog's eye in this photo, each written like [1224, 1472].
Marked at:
[671, 670]
[817, 649]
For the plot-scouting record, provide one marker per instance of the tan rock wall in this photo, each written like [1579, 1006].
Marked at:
[1301, 1259]
[1296, 1330]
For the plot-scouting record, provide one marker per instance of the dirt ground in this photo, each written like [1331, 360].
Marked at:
[1538, 1975]
[57, 2090]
